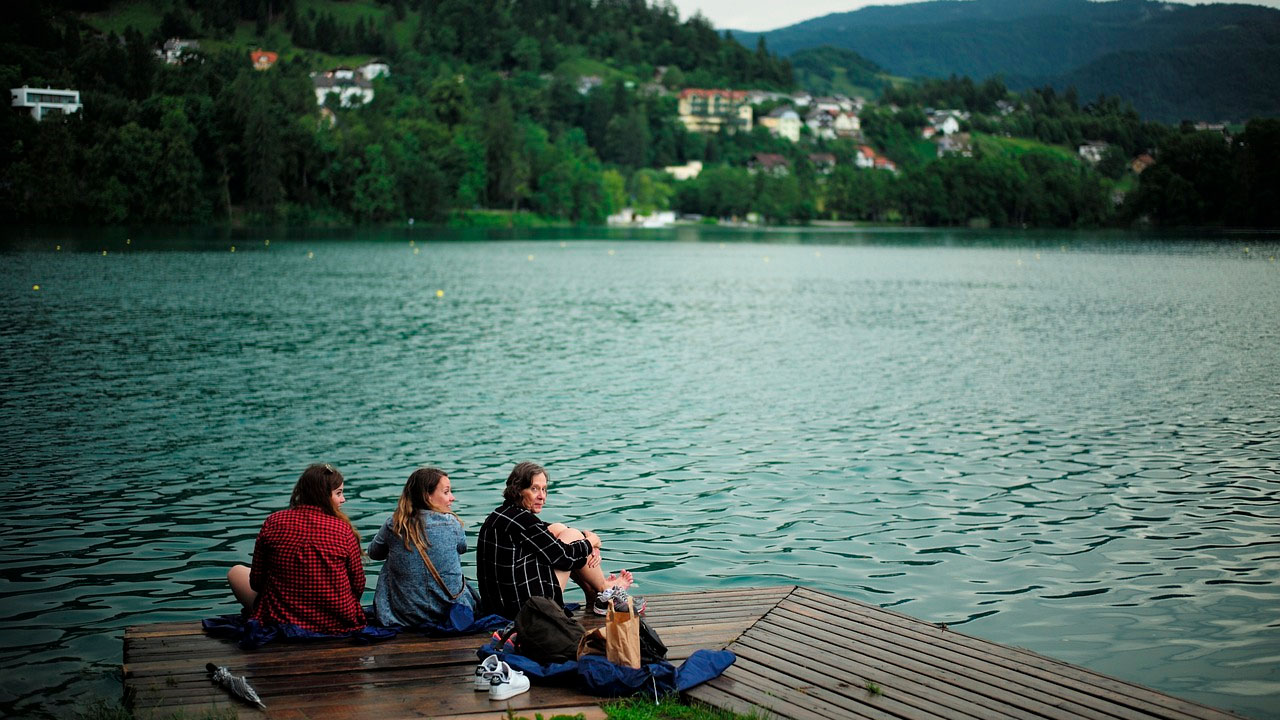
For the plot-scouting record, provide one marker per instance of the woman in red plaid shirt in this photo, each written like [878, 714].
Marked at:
[306, 563]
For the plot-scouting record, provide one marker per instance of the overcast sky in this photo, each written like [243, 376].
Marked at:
[771, 14]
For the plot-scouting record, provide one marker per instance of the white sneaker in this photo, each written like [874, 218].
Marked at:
[484, 671]
[506, 683]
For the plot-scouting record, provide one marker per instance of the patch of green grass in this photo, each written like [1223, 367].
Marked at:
[670, 708]
[873, 689]
[501, 219]
[1016, 146]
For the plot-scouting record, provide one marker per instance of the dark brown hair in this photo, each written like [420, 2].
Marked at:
[315, 488]
[519, 480]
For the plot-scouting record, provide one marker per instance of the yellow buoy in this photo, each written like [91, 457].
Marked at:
[58, 248]
[817, 254]
[104, 253]
[439, 293]
[564, 244]
[1037, 256]
[267, 242]
[233, 248]
[530, 258]
[412, 243]
[128, 241]
[612, 252]
[35, 287]
[765, 258]
[415, 250]
[310, 255]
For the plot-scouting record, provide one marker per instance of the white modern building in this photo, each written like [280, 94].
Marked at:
[44, 102]
[375, 68]
[175, 48]
[351, 88]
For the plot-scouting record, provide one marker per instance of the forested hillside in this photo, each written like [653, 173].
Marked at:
[1172, 61]
[531, 111]
[481, 108]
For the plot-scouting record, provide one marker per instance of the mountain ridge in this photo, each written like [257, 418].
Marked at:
[1173, 62]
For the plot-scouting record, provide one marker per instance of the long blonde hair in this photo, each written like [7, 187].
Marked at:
[405, 522]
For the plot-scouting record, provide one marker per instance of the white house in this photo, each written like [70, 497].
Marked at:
[587, 83]
[948, 125]
[687, 171]
[1093, 150]
[351, 89]
[44, 102]
[783, 122]
[174, 48]
[822, 124]
[846, 124]
[830, 104]
[867, 159]
[374, 68]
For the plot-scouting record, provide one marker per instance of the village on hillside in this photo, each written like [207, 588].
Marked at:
[822, 132]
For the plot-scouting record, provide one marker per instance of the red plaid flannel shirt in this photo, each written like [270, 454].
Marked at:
[307, 572]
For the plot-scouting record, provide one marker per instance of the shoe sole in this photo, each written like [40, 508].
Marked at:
[507, 693]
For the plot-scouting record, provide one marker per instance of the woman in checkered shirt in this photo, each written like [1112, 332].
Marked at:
[306, 568]
[520, 556]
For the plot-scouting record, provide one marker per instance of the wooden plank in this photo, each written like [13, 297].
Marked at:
[1017, 664]
[1010, 692]
[923, 692]
[801, 654]
[745, 696]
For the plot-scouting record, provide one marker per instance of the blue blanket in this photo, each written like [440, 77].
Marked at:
[598, 676]
[251, 634]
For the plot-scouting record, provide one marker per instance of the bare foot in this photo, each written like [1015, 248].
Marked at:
[621, 579]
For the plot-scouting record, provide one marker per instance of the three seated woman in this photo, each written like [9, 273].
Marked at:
[307, 569]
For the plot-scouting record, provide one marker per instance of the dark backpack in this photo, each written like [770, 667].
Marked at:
[544, 633]
[652, 648]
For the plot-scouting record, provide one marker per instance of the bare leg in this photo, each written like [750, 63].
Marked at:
[622, 578]
[238, 577]
[590, 577]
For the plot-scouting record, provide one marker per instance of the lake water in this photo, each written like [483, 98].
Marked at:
[1065, 442]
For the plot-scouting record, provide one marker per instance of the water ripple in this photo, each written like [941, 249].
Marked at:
[1076, 454]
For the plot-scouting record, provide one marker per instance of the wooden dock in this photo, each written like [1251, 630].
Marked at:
[801, 654]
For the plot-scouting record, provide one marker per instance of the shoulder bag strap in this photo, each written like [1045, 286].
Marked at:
[436, 574]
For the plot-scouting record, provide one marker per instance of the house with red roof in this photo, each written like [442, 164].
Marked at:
[707, 111]
[263, 59]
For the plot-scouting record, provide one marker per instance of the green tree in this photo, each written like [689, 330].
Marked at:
[373, 198]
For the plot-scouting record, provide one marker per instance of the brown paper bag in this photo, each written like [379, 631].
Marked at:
[622, 636]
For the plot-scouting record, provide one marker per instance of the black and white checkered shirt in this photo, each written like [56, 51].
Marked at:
[516, 559]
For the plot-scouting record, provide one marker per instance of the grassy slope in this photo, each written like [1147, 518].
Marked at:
[144, 16]
[1016, 146]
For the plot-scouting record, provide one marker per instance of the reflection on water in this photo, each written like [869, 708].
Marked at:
[1064, 443]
